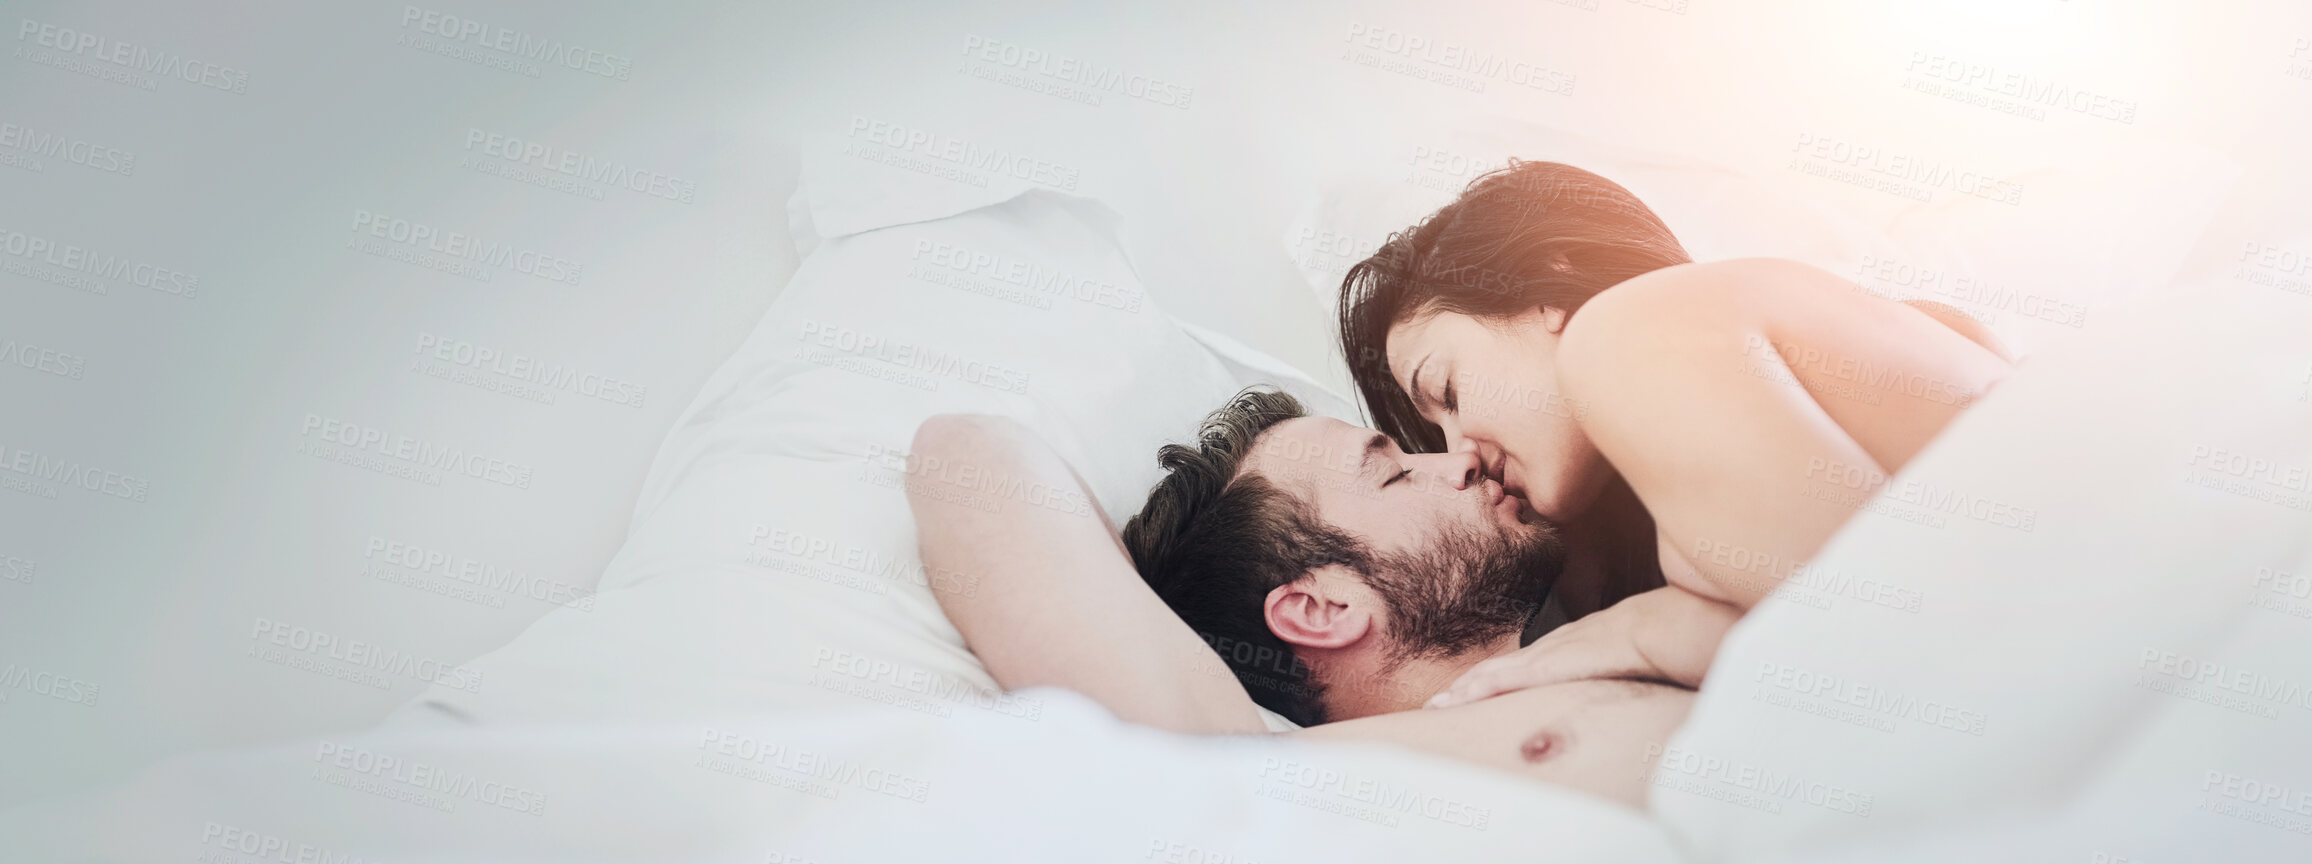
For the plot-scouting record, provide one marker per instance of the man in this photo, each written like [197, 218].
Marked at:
[1337, 558]
[1371, 577]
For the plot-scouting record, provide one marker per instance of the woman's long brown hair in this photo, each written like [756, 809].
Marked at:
[1529, 235]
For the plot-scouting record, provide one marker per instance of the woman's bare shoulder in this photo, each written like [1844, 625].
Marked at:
[1678, 310]
[1709, 301]
[1706, 289]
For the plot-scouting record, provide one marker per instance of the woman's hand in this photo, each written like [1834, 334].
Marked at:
[1599, 645]
[1668, 634]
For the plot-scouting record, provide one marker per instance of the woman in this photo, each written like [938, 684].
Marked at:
[1703, 427]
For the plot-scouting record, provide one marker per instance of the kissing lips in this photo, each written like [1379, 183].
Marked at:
[1509, 505]
[1498, 470]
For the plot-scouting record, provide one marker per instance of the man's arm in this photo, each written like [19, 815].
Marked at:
[1054, 600]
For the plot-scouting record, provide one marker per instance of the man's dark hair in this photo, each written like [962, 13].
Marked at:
[1214, 540]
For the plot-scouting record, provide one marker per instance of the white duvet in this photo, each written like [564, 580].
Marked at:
[765, 677]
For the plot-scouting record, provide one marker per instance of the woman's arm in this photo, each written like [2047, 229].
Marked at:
[1667, 634]
[1755, 404]
[1056, 601]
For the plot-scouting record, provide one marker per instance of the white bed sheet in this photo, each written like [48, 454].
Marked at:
[2109, 682]
[1067, 784]
[2037, 639]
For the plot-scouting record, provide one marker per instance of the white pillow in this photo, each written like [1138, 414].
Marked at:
[771, 561]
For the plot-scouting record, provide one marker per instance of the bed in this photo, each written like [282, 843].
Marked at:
[764, 675]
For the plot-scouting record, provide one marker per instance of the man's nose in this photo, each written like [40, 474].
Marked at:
[1460, 470]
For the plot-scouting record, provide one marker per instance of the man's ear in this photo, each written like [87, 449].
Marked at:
[1316, 612]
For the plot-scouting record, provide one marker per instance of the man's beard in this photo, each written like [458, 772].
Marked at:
[1465, 590]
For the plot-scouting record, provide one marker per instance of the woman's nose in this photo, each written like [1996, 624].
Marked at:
[1454, 440]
